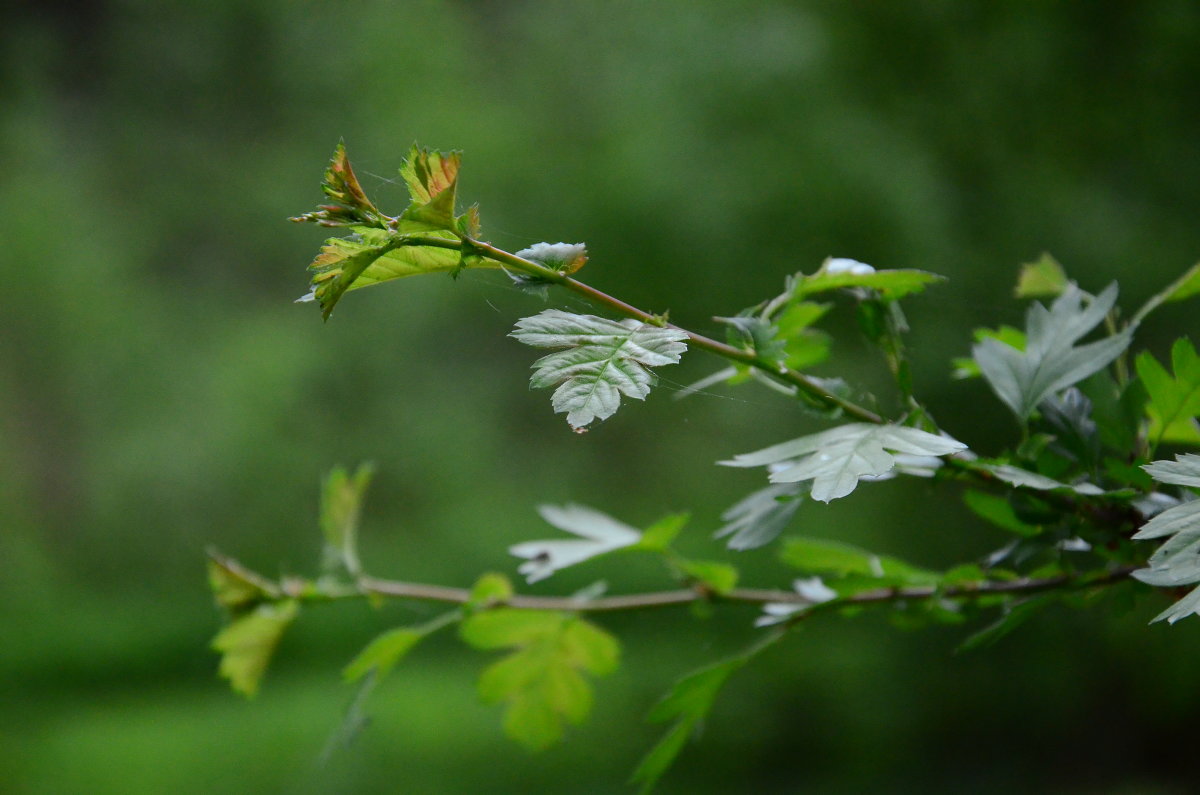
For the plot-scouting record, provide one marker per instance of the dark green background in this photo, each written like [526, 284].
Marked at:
[159, 392]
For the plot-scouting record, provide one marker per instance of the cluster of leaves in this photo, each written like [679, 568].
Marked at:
[1078, 495]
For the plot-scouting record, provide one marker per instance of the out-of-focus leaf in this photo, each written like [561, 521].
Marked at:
[999, 512]
[491, 589]
[246, 645]
[1069, 416]
[603, 359]
[836, 559]
[658, 536]
[541, 682]
[687, 704]
[598, 534]
[235, 588]
[838, 273]
[1044, 278]
[835, 460]
[382, 654]
[720, 577]
[1016, 476]
[1174, 399]
[1051, 361]
[758, 519]
[812, 589]
[341, 507]
[1182, 288]
[1014, 615]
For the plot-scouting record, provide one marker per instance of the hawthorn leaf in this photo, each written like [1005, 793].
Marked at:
[432, 179]
[1044, 278]
[388, 648]
[721, 578]
[840, 272]
[1174, 399]
[836, 459]
[758, 519]
[602, 360]
[1013, 616]
[247, 644]
[1177, 562]
[542, 682]
[566, 258]
[658, 536]
[966, 367]
[235, 588]
[598, 534]
[999, 511]
[1051, 361]
[372, 256]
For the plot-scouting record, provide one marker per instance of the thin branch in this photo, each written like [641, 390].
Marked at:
[372, 586]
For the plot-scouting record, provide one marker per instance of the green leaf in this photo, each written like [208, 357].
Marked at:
[1174, 400]
[566, 258]
[432, 179]
[373, 256]
[382, 654]
[1042, 279]
[603, 359]
[838, 273]
[758, 519]
[836, 559]
[541, 682]
[1182, 288]
[658, 536]
[687, 704]
[1014, 615]
[598, 534]
[1051, 361]
[235, 588]
[490, 589]
[999, 511]
[341, 507]
[836, 459]
[246, 645]
[720, 577]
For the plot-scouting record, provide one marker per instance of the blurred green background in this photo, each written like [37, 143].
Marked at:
[160, 392]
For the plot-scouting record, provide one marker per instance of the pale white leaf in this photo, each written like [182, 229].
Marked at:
[836, 459]
[1015, 476]
[1177, 561]
[1051, 361]
[602, 360]
[598, 534]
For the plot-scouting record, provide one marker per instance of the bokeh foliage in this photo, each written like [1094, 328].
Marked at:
[159, 391]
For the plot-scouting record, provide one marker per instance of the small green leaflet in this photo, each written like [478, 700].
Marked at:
[687, 704]
[341, 505]
[350, 205]
[603, 359]
[1174, 400]
[836, 459]
[388, 648]
[598, 534]
[246, 645]
[1186, 286]
[542, 682]
[1051, 362]
[1177, 562]
[236, 589]
[1042, 279]
[838, 560]
[839, 272]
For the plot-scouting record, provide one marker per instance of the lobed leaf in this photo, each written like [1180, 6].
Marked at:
[1174, 399]
[836, 459]
[1044, 278]
[603, 359]
[341, 507]
[837, 559]
[758, 519]
[541, 682]
[599, 534]
[1177, 561]
[247, 644]
[1051, 361]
